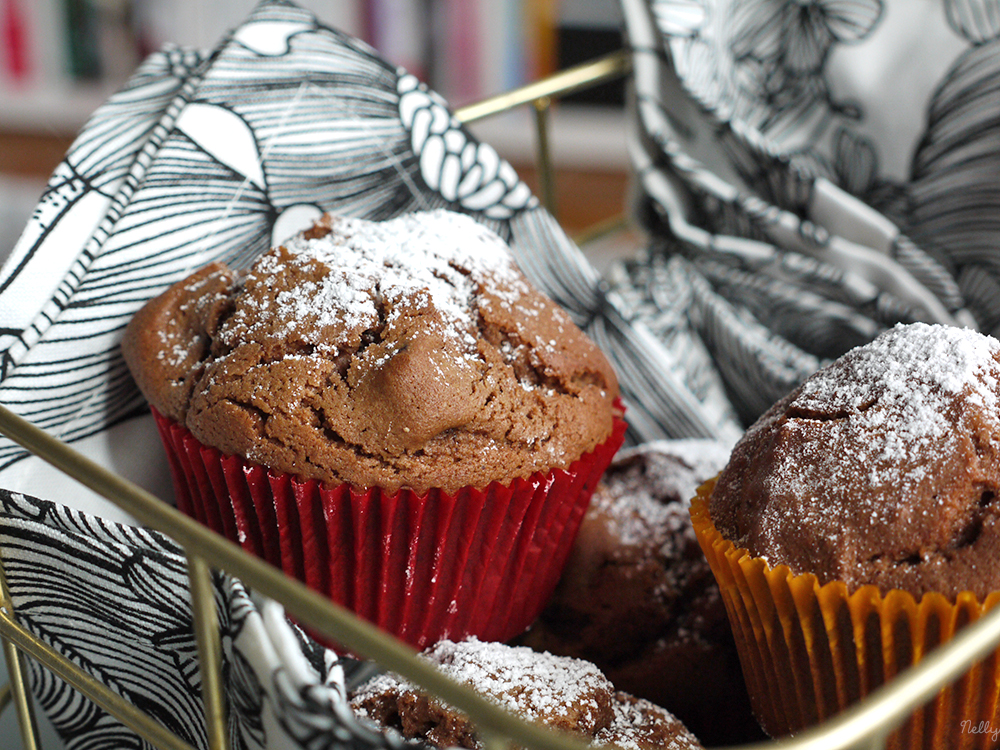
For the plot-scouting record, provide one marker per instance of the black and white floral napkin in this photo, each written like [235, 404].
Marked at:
[215, 156]
[811, 171]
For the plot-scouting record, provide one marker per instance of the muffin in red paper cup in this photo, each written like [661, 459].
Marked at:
[857, 526]
[388, 411]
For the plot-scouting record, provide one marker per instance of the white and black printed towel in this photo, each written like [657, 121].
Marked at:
[811, 171]
[113, 599]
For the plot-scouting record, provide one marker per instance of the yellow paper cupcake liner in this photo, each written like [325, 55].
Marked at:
[808, 650]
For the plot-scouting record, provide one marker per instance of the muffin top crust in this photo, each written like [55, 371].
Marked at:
[882, 468]
[566, 694]
[410, 352]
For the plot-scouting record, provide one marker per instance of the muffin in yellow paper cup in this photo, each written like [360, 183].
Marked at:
[388, 411]
[857, 526]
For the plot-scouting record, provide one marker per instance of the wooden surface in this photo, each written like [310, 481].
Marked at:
[583, 198]
[31, 154]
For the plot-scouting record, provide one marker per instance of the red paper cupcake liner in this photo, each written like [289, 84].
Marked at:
[480, 562]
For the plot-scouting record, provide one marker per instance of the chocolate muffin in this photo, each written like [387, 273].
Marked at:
[856, 528]
[883, 468]
[563, 693]
[638, 599]
[389, 412]
[410, 352]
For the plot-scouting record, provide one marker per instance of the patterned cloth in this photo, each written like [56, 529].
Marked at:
[114, 600]
[785, 227]
[811, 172]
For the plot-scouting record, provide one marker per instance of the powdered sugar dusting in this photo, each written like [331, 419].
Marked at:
[635, 728]
[935, 360]
[435, 258]
[175, 352]
[640, 517]
[870, 453]
[914, 373]
[540, 687]
[704, 457]
[648, 488]
[530, 684]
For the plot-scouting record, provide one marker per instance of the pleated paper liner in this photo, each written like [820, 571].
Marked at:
[481, 561]
[809, 651]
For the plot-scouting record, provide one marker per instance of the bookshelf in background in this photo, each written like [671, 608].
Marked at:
[468, 50]
[587, 30]
[60, 59]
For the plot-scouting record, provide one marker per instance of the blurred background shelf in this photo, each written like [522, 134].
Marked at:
[60, 59]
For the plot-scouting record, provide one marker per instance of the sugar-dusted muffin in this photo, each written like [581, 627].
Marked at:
[567, 694]
[883, 468]
[406, 353]
[638, 599]
[861, 513]
[389, 411]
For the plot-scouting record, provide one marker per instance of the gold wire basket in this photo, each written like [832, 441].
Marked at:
[864, 726]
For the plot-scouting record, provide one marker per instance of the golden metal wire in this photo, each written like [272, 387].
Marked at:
[862, 727]
[546, 174]
[541, 95]
[206, 629]
[19, 693]
[24, 643]
[556, 86]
